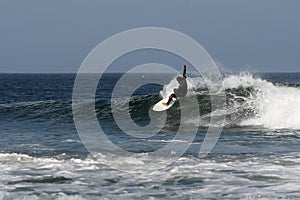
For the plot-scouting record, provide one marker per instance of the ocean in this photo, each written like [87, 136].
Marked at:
[257, 155]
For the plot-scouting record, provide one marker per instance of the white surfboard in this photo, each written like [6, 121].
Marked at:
[160, 107]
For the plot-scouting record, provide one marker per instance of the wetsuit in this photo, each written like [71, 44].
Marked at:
[182, 90]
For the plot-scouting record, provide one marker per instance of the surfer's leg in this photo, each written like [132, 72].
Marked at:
[173, 96]
[170, 99]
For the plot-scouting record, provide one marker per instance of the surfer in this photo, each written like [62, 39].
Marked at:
[181, 91]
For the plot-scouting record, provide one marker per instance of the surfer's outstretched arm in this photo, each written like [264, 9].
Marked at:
[184, 71]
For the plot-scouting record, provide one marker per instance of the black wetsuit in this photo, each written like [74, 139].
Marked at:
[182, 90]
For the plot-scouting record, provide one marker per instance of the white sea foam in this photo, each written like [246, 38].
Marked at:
[275, 106]
[217, 177]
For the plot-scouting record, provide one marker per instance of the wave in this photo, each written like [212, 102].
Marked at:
[36, 111]
[273, 106]
[251, 102]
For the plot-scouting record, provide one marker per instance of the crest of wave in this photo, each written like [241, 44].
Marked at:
[276, 107]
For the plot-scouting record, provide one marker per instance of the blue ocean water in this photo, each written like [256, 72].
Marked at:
[256, 156]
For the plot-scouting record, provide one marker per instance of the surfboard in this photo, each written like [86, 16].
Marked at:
[160, 107]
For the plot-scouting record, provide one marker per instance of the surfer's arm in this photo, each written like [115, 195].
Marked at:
[184, 71]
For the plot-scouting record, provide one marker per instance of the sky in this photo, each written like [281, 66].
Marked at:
[55, 36]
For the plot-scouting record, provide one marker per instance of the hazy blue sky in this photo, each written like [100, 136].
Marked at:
[56, 35]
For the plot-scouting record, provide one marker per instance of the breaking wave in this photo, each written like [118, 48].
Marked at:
[251, 102]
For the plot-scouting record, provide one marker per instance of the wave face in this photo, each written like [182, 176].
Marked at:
[266, 102]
